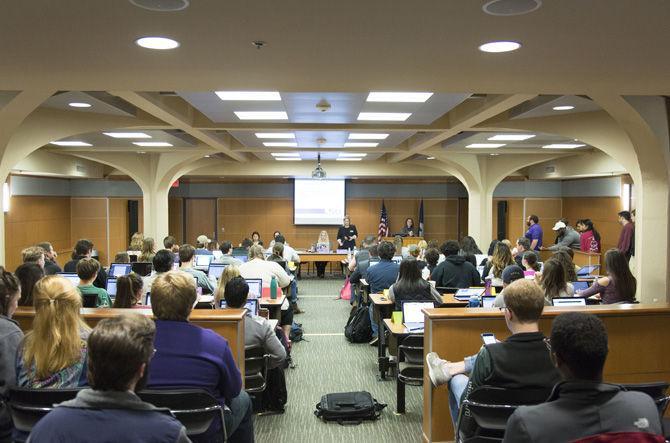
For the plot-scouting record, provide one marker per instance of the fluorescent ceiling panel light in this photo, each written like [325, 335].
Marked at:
[71, 143]
[288, 159]
[127, 134]
[79, 105]
[153, 144]
[485, 145]
[160, 43]
[399, 97]
[384, 116]
[430, 158]
[363, 136]
[360, 145]
[275, 135]
[351, 154]
[285, 154]
[256, 96]
[261, 115]
[511, 137]
[563, 146]
[563, 108]
[500, 46]
[281, 144]
[348, 159]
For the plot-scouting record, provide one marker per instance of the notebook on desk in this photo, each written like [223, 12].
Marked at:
[412, 316]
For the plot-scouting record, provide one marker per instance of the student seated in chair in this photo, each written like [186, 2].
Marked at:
[582, 405]
[520, 361]
[455, 271]
[119, 351]
[87, 271]
[186, 258]
[190, 356]
[381, 276]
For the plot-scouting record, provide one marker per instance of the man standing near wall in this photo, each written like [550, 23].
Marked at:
[534, 232]
[626, 243]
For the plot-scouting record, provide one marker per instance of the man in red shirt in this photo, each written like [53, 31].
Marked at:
[626, 243]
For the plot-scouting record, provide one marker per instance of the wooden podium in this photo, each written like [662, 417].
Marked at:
[406, 241]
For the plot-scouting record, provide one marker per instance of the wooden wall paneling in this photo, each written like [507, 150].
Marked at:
[549, 211]
[462, 218]
[176, 218]
[200, 218]
[31, 220]
[88, 219]
[118, 226]
[601, 210]
[516, 224]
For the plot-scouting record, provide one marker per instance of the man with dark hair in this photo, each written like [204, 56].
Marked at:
[455, 271]
[522, 245]
[186, 258]
[84, 248]
[87, 271]
[163, 262]
[432, 256]
[50, 265]
[358, 266]
[119, 351]
[381, 276]
[626, 244]
[520, 361]
[257, 330]
[582, 405]
[170, 243]
[534, 233]
[227, 258]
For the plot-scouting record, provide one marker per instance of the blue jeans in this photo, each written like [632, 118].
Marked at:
[239, 425]
[373, 323]
[457, 386]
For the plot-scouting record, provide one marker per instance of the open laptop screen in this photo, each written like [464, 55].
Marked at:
[119, 269]
[580, 285]
[255, 287]
[250, 305]
[569, 301]
[215, 270]
[242, 258]
[468, 292]
[74, 278]
[202, 261]
[487, 301]
[142, 268]
[111, 287]
[587, 270]
[411, 311]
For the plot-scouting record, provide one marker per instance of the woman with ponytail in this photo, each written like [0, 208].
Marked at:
[10, 338]
[129, 291]
[53, 354]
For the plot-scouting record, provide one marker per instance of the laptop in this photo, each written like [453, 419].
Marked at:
[142, 268]
[487, 301]
[397, 259]
[412, 316]
[202, 262]
[587, 270]
[119, 269]
[215, 270]
[250, 305]
[322, 248]
[255, 287]
[74, 278]
[242, 258]
[217, 255]
[465, 294]
[175, 266]
[569, 301]
[580, 285]
[111, 287]
[479, 258]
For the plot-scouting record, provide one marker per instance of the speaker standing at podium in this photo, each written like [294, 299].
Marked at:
[408, 230]
[346, 234]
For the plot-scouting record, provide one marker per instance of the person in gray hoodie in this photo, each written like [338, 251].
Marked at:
[10, 338]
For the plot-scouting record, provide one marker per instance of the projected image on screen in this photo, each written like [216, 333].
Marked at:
[318, 202]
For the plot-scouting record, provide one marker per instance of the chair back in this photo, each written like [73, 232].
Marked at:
[658, 391]
[255, 369]
[89, 300]
[411, 349]
[196, 409]
[28, 406]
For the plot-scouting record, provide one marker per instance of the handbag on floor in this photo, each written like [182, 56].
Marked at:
[348, 408]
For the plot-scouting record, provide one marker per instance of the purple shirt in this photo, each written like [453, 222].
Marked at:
[535, 233]
[190, 356]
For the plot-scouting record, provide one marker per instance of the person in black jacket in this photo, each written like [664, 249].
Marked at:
[347, 234]
[50, 265]
[455, 271]
[84, 248]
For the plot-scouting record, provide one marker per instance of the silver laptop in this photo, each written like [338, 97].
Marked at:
[215, 270]
[255, 287]
[202, 262]
[412, 316]
[569, 301]
[72, 277]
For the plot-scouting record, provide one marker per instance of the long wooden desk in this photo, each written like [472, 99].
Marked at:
[228, 323]
[406, 241]
[638, 348]
[329, 258]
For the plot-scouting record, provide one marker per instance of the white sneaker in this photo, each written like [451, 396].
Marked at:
[436, 371]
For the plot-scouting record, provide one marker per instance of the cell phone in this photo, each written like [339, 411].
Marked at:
[488, 338]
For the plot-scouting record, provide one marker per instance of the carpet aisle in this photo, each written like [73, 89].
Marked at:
[328, 363]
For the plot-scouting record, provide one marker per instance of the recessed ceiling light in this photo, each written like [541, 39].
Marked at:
[500, 46]
[275, 135]
[127, 134]
[430, 158]
[281, 144]
[399, 97]
[153, 144]
[261, 115]
[285, 154]
[79, 105]
[348, 159]
[364, 136]
[288, 159]
[485, 145]
[493, 155]
[563, 146]
[511, 137]
[360, 145]
[270, 96]
[141, 152]
[207, 156]
[71, 143]
[351, 154]
[160, 43]
[563, 108]
[384, 116]
[161, 5]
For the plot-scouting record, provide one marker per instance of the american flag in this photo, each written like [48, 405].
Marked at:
[383, 224]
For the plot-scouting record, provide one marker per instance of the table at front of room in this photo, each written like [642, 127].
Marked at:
[328, 257]
[638, 348]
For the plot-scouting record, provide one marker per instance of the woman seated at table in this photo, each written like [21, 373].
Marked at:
[530, 263]
[228, 274]
[619, 285]
[553, 281]
[502, 257]
[322, 245]
[256, 238]
[411, 286]
[129, 291]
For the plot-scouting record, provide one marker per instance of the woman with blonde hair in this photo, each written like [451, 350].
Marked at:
[53, 354]
[322, 245]
[227, 275]
[148, 250]
[502, 257]
[136, 242]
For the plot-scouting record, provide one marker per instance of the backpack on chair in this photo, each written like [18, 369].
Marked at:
[358, 328]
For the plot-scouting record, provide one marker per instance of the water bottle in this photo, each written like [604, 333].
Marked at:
[473, 302]
[348, 254]
[273, 288]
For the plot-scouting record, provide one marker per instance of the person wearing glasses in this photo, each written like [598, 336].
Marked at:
[520, 361]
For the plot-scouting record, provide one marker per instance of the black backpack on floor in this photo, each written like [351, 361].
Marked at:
[358, 328]
[348, 407]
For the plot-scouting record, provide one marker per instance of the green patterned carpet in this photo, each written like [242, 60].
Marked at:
[327, 363]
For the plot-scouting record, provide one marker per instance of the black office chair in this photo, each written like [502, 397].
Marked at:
[410, 352]
[255, 369]
[89, 300]
[490, 407]
[28, 406]
[658, 391]
[196, 409]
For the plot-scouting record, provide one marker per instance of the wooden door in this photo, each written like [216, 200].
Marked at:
[200, 218]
